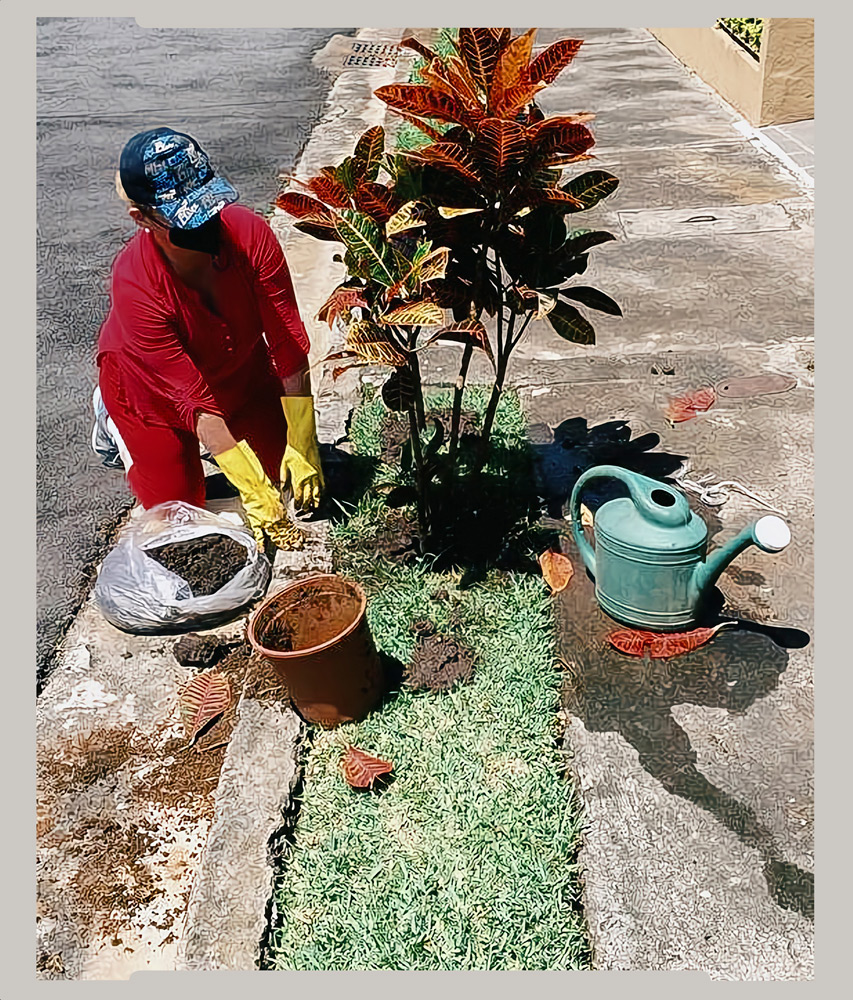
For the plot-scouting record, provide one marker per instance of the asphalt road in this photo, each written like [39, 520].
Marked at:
[251, 98]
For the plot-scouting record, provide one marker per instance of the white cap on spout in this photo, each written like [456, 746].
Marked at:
[771, 533]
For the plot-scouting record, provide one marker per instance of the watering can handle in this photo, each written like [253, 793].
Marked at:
[670, 509]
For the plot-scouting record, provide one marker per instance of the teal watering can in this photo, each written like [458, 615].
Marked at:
[650, 563]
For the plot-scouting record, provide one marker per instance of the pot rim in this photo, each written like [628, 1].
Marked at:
[288, 654]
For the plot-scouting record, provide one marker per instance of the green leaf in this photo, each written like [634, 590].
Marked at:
[346, 174]
[368, 152]
[318, 230]
[585, 241]
[407, 178]
[355, 267]
[364, 240]
[593, 298]
[544, 229]
[591, 187]
[570, 325]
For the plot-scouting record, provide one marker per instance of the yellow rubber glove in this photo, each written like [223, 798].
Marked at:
[300, 467]
[261, 501]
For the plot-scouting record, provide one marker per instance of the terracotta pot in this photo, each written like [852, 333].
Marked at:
[314, 633]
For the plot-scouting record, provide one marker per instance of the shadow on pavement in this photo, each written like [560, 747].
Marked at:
[561, 455]
[611, 692]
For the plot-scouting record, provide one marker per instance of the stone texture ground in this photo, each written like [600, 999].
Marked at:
[698, 784]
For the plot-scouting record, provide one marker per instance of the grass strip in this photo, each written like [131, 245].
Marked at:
[467, 859]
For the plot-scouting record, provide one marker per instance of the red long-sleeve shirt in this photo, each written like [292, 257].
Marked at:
[175, 357]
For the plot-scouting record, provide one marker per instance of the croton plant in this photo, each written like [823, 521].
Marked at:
[464, 239]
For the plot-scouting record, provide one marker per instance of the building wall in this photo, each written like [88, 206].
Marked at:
[777, 88]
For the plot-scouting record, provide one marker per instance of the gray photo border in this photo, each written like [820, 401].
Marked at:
[17, 64]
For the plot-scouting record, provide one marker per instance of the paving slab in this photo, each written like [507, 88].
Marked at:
[697, 775]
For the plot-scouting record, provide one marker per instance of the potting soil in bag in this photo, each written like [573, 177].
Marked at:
[140, 586]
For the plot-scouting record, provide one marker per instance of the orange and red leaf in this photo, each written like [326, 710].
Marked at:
[329, 190]
[511, 67]
[449, 156]
[502, 149]
[300, 205]
[375, 200]
[469, 332]
[361, 769]
[562, 134]
[686, 406]
[427, 102]
[480, 49]
[557, 570]
[547, 66]
[341, 300]
[662, 645]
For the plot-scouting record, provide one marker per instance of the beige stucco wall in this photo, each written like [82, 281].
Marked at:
[787, 61]
[777, 88]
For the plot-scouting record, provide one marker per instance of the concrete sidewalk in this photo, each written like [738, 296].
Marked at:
[698, 779]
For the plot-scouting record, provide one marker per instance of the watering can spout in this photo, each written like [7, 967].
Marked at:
[770, 534]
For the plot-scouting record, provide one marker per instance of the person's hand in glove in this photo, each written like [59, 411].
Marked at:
[261, 501]
[300, 466]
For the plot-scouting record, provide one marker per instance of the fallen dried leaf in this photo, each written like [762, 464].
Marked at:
[361, 769]
[686, 407]
[206, 696]
[586, 516]
[662, 645]
[557, 570]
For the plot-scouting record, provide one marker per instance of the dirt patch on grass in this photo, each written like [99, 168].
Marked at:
[206, 563]
[438, 663]
[395, 431]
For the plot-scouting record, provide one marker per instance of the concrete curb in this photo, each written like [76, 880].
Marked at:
[255, 808]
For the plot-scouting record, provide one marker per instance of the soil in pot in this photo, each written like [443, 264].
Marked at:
[206, 563]
[438, 663]
[310, 618]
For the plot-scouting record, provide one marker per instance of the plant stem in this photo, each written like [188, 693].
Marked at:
[503, 364]
[415, 368]
[420, 484]
[458, 392]
[494, 399]
[467, 354]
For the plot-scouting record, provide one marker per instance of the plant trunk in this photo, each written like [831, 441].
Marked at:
[492, 408]
[415, 368]
[458, 393]
[420, 483]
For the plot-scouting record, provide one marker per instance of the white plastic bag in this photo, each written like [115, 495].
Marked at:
[137, 594]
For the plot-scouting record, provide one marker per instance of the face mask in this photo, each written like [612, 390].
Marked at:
[204, 238]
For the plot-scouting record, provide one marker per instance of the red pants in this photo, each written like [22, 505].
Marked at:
[166, 461]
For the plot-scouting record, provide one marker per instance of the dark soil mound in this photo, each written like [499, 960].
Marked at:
[200, 651]
[206, 563]
[438, 663]
[395, 431]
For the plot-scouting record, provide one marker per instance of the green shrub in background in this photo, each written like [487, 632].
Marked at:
[747, 29]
